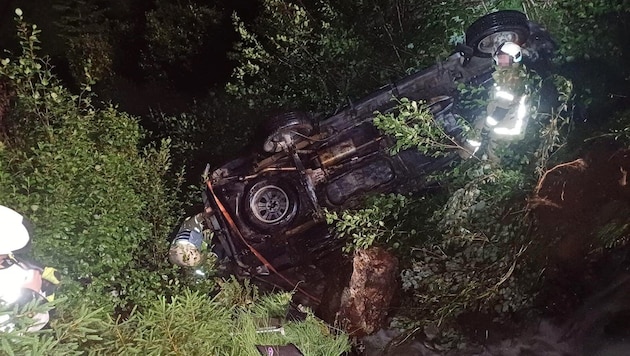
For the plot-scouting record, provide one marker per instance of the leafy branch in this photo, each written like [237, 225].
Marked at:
[369, 225]
[412, 125]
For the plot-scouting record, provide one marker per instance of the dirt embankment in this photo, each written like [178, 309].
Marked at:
[583, 213]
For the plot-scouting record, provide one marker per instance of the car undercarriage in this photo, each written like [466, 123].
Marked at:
[264, 211]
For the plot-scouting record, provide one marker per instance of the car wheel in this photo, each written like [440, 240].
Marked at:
[487, 33]
[292, 124]
[271, 204]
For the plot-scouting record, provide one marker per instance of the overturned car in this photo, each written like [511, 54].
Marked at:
[264, 211]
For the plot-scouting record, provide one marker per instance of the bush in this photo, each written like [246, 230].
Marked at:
[177, 38]
[296, 57]
[208, 132]
[587, 30]
[315, 54]
[189, 324]
[101, 203]
[471, 252]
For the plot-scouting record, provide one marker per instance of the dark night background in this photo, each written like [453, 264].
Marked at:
[133, 88]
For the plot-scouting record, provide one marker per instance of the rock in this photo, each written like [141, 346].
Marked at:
[362, 305]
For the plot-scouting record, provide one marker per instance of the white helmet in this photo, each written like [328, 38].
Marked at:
[13, 232]
[507, 54]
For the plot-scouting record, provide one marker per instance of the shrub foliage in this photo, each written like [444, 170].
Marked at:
[102, 203]
[191, 323]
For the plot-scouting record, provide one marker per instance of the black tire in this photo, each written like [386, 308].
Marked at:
[488, 32]
[293, 123]
[271, 204]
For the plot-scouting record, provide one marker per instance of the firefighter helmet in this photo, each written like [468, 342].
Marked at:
[507, 54]
[13, 232]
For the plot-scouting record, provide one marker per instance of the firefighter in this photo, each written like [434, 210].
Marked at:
[507, 111]
[21, 280]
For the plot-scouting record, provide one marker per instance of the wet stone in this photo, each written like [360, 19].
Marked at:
[364, 301]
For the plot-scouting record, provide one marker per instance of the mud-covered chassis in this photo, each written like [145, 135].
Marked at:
[265, 209]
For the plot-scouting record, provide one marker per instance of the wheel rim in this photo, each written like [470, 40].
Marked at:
[270, 204]
[272, 143]
[490, 43]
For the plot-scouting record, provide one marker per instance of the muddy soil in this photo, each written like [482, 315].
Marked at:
[583, 217]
